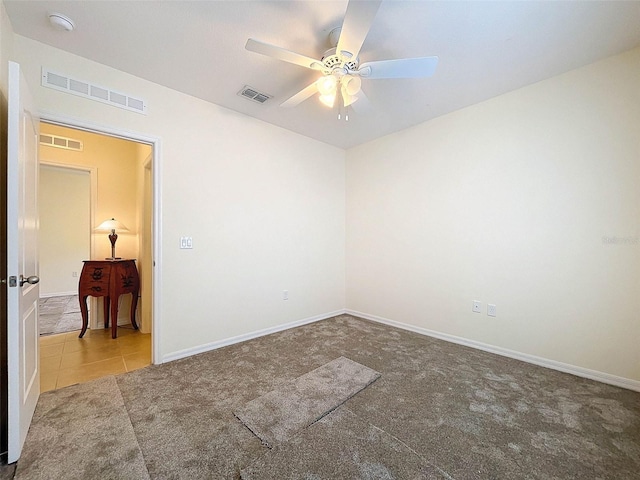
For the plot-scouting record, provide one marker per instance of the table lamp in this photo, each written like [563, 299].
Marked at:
[112, 225]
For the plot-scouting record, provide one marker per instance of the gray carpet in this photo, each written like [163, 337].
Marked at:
[7, 471]
[284, 412]
[468, 414]
[59, 315]
[81, 432]
[360, 450]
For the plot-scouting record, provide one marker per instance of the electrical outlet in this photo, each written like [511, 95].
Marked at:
[285, 294]
[74, 274]
[491, 310]
[186, 242]
[477, 307]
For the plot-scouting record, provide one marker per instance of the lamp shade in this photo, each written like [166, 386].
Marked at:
[352, 85]
[328, 100]
[110, 225]
[327, 85]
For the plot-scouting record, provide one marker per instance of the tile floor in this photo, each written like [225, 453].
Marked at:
[66, 359]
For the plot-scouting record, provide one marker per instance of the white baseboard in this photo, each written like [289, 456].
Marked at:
[543, 362]
[247, 336]
[58, 294]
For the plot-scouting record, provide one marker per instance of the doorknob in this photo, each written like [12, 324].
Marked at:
[33, 279]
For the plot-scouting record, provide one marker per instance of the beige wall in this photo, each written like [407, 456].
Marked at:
[65, 230]
[116, 164]
[511, 202]
[145, 224]
[265, 206]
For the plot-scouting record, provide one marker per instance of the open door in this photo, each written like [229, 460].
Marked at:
[22, 261]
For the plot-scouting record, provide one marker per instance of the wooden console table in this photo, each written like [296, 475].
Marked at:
[108, 279]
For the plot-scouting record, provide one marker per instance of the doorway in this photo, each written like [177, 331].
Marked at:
[117, 169]
[64, 241]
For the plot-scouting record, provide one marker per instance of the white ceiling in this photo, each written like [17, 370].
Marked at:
[197, 47]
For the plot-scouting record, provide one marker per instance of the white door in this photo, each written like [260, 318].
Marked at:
[22, 260]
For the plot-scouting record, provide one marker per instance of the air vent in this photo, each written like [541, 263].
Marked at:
[253, 94]
[60, 142]
[84, 89]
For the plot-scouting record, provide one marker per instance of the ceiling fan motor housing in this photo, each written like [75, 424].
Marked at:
[331, 60]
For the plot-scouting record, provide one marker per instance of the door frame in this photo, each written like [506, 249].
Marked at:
[156, 201]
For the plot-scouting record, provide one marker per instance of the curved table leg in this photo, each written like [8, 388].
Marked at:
[105, 304]
[85, 315]
[114, 318]
[134, 304]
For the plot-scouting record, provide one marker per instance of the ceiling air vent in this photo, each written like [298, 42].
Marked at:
[60, 142]
[253, 94]
[84, 89]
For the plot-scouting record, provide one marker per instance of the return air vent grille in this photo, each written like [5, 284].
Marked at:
[61, 142]
[253, 94]
[94, 92]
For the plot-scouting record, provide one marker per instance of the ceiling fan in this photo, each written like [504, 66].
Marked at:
[340, 66]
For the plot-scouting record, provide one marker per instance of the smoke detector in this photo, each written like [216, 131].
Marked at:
[61, 22]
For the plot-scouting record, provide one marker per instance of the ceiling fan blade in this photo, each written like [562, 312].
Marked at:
[400, 68]
[355, 27]
[301, 96]
[283, 54]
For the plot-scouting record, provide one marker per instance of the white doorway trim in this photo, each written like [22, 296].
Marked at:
[156, 161]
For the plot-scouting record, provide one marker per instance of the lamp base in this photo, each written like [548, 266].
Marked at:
[113, 258]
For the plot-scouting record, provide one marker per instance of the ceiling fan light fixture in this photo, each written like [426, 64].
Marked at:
[347, 99]
[327, 85]
[328, 100]
[352, 85]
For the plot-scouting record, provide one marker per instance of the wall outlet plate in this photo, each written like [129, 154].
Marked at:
[477, 307]
[491, 310]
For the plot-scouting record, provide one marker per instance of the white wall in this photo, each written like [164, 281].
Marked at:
[265, 206]
[64, 233]
[510, 202]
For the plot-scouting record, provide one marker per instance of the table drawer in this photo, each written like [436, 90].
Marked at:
[95, 280]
